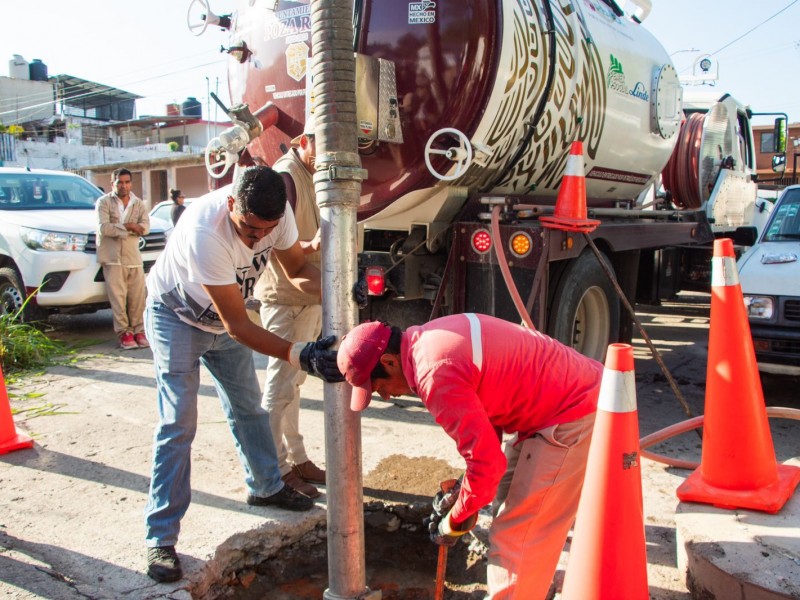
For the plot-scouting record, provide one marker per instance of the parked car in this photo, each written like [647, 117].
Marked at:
[770, 277]
[163, 212]
[48, 243]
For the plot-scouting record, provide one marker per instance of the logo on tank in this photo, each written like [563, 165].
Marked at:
[615, 81]
[421, 12]
[296, 60]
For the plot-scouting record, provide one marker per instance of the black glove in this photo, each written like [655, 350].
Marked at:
[316, 359]
[442, 502]
[361, 291]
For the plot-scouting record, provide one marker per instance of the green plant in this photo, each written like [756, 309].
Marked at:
[23, 346]
[173, 146]
[15, 130]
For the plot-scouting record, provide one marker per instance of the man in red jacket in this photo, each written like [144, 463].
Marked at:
[482, 377]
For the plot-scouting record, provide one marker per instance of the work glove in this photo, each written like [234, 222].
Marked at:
[316, 359]
[361, 291]
[446, 533]
[442, 503]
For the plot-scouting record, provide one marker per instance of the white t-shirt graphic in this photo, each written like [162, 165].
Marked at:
[204, 249]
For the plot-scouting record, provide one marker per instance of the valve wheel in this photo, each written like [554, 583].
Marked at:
[461, 155]
[198, 27]
[218, 160]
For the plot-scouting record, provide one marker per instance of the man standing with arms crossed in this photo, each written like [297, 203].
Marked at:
[293, 315]
[121, 220]
[196, 315]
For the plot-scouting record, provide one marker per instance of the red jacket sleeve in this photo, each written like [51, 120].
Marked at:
[449, 394]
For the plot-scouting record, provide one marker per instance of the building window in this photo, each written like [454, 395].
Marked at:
[767, 142]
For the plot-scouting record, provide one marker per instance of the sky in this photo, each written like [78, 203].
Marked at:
[145, 47]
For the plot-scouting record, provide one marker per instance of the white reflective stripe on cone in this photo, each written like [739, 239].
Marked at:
[475, 336]
[574, 166]
[724, 271]
[617, 392]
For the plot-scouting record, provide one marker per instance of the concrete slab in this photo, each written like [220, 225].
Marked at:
[740, 554]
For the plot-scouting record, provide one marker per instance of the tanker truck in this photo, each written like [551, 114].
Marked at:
[467, 110]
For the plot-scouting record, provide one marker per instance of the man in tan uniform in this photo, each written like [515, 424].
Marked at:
[294, 316]
[121, 220]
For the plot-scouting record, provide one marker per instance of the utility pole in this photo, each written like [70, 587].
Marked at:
[337, 184]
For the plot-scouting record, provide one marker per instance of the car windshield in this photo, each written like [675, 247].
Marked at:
[784, 223]
[38, 191]
[162, 211]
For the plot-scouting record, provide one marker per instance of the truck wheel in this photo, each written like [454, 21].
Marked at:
[585, 308]
[12, 296]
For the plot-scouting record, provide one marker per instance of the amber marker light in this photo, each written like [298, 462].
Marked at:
[520, 244]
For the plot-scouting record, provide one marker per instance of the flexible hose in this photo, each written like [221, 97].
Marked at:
[503, 264]
[695, 423]
[681, 175]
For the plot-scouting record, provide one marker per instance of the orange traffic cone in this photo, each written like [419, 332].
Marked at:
[738, 468]
[10, 440]
[570, 212]
[607, 557]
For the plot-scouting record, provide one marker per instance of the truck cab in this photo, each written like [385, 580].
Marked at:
[770, 277]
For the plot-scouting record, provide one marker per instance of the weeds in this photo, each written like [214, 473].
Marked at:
[23, 346]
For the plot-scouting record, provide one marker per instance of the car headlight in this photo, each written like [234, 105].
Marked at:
[759, 307]
[53, 241]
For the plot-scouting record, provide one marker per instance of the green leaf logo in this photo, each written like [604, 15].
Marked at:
[616, 66]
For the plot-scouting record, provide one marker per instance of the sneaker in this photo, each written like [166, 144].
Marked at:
[310, 472]
[292, 480]
[163, 564]
[287, 498]
[127, 342]
[141, 340]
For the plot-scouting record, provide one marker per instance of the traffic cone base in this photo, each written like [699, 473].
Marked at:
[768, 498]
[567, 224]
[18, 442]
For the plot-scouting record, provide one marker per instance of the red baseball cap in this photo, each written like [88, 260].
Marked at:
[359, 353]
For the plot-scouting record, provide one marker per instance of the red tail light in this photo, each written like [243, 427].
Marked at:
[376, 281]
[481, 241]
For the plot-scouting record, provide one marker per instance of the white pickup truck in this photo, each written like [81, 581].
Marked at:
[47, 243]
[769, 273]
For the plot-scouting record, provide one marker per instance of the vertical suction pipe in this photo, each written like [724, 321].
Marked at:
[337, 183]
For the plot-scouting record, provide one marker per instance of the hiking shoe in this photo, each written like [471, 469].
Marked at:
[141, 340]
[292, 480]
[309, 472]
[288, 498]
[163, 564]
[127, 342]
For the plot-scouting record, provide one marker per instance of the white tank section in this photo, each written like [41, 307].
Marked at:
[612, 86]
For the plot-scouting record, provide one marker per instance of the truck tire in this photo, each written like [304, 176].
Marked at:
[585, 309]
[12, 297]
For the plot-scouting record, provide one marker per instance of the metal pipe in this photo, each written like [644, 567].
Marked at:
[535, 210]
[337, 184]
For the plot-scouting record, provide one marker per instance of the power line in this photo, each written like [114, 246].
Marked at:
[749, 31]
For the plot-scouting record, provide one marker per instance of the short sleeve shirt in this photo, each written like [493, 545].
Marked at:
[204, 249]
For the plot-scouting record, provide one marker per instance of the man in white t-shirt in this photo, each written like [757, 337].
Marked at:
[196, 315]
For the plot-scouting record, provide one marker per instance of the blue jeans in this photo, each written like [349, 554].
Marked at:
[178, 351]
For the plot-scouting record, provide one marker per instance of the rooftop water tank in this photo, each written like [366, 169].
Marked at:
[38, 70]
[18, 68]
[191, 107]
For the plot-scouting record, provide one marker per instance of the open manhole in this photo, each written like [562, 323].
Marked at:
[400, 559]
